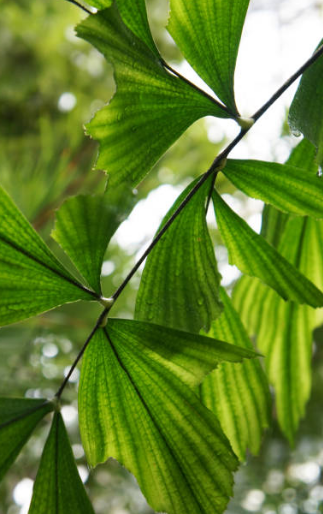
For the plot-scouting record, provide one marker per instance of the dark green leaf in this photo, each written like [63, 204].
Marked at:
[255, 257]
[58, 488]
[180, 282]
[208, 33]
[32, 280]
[151, 108]
[137, 405]
[287, 187]
[238, 394]
[306, 110]
[18, 418]
[84, 227]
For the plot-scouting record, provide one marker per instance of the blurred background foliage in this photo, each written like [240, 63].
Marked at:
[51, 84]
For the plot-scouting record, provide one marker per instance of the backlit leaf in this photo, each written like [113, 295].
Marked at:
[32, 280]
[208, 33]
[306, 110]
[151, 107]
[180, 283]
[136, 404]
[58, 488]
[238, 394]
[255, 257]
[18, 418]
[84, 226]
[287, 187]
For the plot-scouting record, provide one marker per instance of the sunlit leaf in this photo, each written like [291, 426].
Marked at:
[18, 418]
[137, 404]
[84, 226]
[58, 488]
[255, 257]
[180, 283]
[32, 280]
[151, 108]
[134, 15]
[306, 110]
[287, 187]
[208, 33]
[238, 394]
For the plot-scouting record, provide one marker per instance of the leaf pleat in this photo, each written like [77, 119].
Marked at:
[151, 107]
[208, 33]
[84, 226]
[287, 187]
[18, 418]
[32, 280]
[238, 394]
[135, 405]
[180, 283]
[255, 257]
[58, 488]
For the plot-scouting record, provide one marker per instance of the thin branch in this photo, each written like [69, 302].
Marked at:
[80, 6]
[97, 325]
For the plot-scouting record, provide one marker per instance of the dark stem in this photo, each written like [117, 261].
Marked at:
[214, 168]
[80, 6]
[95, 328]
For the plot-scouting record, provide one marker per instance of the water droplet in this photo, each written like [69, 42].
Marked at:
[296, 133]
[200, 301]
[319, 172]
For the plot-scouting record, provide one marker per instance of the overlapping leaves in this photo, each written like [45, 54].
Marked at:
[151, 107]
[58, 488]
[238, 394]
[284, 329]
[137, 404]
[32, 280]
[255, 257]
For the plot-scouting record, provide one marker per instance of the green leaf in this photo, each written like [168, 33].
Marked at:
[284, 329]
[137, 405]
[84, 226]
[255, 257]
[58, 488]
[273, 220]
[32, 280]
[306, 110]
[151, 108]
[238, 394]
[180, 283]
[134, 15]
[208, 34]
[18, 418]
[287, 187]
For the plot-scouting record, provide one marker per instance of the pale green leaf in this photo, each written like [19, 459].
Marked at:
[180, 283]
[255, 257]
[286, 187]
[306, 110]
[32, 280]
[18, 418]
[136, 404]
[58, 488]
[151, 108]
[238, 394]
[84, 226]
[208, 33]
